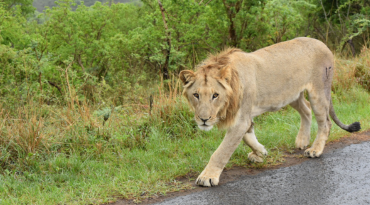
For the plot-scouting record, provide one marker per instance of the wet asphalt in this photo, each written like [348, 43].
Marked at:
[338, 177]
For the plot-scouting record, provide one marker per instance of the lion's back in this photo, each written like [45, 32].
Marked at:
[297, 48]
[282, 71]
[298, 57]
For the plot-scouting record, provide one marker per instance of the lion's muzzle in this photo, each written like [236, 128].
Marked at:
[205, 127]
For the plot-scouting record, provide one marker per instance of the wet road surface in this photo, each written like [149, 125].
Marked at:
[340, 176]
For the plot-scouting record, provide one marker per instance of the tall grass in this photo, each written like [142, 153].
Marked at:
[352, 72]
[82, 152]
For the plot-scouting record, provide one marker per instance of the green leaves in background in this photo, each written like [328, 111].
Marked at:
[124, 45]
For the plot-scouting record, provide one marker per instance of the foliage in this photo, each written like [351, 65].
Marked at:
[342, 23]
[287, 18]
[362, 71]
[12, 31]
[40, 5]
[113, 48]
[25, 6]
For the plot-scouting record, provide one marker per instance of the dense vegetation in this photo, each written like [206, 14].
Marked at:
[89, 98]
[117, 46]
[41, 4]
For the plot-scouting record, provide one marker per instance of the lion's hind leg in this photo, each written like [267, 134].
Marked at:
[304, 109]
[320, 106]
[258, 150]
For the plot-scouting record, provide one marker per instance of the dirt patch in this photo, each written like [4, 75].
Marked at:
[234, 173]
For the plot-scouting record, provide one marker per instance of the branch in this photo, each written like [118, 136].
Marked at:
[80, 63]
[37, 57]
[322, 5]
[56, 86]
[349, 6]
[11, 5]
[208, 2]
[69, 87]
[340, 17]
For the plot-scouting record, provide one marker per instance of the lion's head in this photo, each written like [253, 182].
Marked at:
[213, 91]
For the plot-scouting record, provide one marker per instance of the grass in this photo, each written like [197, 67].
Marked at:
[90, 154]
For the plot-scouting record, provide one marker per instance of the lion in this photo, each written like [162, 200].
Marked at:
[231, 88]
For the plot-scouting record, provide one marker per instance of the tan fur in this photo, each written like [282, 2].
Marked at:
[231, 88]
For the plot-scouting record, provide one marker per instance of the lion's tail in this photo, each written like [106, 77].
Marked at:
[354, 127]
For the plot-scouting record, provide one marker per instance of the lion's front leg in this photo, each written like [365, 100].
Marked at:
[211, 174]
[259, 151]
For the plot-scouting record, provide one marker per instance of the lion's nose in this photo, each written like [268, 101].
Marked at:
[204, 120]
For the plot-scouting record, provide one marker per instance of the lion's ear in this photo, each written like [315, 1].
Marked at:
[187, 76]
[225, 73]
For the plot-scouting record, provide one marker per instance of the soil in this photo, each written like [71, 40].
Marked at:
[235, 172]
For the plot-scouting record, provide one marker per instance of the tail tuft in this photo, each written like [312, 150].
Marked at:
[354, 127]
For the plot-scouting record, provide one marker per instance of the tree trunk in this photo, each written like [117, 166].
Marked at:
[168, 39]
[350, 43]
[231, 10]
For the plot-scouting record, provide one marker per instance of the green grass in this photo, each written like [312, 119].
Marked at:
[85, 162]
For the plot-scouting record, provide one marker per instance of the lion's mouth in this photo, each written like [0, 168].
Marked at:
[205, 127]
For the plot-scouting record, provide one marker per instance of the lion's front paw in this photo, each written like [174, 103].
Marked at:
[301, 143]
[311, 152]
[254, 158]
[207, 180]
[257, 156]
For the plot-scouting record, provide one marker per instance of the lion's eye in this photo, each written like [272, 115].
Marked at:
[196, 95]
[215, 95]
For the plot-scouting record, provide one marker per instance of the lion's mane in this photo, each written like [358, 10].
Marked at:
[221, 63]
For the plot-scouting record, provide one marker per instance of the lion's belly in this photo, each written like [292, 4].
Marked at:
[273, 104]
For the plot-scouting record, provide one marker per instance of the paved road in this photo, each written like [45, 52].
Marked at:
[338, 177]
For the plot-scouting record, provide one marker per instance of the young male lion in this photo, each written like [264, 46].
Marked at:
[233, 87]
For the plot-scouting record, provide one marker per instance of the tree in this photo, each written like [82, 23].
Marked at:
[25, 5]
[287, 18]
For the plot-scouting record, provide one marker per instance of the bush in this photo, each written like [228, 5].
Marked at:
[362, 72]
